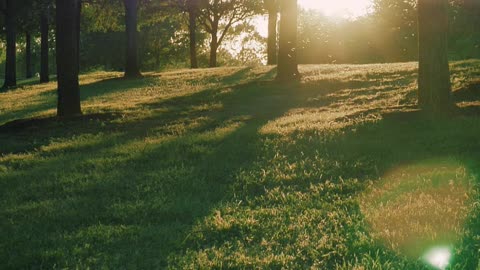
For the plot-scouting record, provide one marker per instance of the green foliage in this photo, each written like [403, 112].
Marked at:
[103, 17]
[221, 168]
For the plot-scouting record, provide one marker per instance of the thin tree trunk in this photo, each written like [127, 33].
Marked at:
[67, 47]
[434, 87]
[287, 55]
[79, 16]
[272, 37]
[44, 72]
[192, 28]
[131, 68]
[213, 49]
[10, 63]
[28, 55]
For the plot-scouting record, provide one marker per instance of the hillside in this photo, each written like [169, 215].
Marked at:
[224, 168]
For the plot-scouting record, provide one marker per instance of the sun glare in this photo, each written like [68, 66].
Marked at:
[338, 8]
[438, 257]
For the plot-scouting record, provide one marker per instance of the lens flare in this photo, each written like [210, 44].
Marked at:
[438, 257]
[415, 207]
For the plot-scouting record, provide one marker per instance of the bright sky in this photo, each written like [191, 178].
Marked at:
[338, 8]
[332, 8]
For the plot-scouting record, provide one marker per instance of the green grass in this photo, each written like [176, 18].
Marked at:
[224, 168]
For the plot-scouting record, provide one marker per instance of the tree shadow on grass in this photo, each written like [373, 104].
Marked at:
[124, 200]
[470, 92]
[148, 195]
[365, 152]
[123, 194]
[408, 138]
[120, 84]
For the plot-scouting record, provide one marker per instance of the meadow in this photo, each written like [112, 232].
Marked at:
[226, 168]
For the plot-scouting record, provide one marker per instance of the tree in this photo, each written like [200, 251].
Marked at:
[131, 67]
[44, 47]
[27, 12]
[218, 17]
[434, 87]
[67, 47]
[272, 8]
[192, 8]
[287, 55]
[28, 55]
[9, 10]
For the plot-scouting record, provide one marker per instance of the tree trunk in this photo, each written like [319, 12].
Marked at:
[213, 49]
[287, 54]
[10, 63]
[434, 88]
[28, 55]
[67, 47]
[131, 68]
[192, 28]
[272, 37]
[44, 72]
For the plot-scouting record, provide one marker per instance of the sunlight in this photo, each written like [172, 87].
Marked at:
[419, 206]
[338, 8]
[438, 257]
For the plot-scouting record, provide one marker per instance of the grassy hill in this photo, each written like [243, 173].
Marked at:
[224, 168]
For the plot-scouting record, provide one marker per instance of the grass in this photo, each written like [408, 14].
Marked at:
[223, 168]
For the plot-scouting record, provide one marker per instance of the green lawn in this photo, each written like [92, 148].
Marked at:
[224, 168]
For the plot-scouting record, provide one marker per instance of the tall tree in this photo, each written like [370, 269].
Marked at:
[434, 87]
[44, 46]
[131, 14]
[218, 17]
[67, 47]
[192, 8]
[9, 10]
[28, 55]
[27, 12]
[272, 8]
[287, 55]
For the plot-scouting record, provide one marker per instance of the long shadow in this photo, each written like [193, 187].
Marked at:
[469, 93]
[118, 85]
[413, 138]
[148, 198]
[85, 209]
[368, 152]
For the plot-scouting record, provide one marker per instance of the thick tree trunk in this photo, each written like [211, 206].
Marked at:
[131, 68]
[28, 55]
[67, 47]
[287, 55]
[10, 63]
[272, 37]
[434, 87]
[192, 28]
[44, 72]
[213, 50]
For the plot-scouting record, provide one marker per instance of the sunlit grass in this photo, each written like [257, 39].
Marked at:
[223, 168]
[419, 206]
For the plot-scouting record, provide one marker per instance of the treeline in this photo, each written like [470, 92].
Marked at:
[154, 33]
[193, 33]
[219, 19]
[387, 34]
